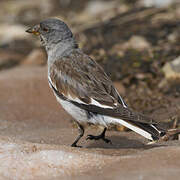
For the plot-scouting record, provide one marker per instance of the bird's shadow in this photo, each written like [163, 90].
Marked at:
[121, 142]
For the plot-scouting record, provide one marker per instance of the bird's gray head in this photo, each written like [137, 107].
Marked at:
[51, 31]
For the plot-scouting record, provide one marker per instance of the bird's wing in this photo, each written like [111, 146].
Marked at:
[80, 80]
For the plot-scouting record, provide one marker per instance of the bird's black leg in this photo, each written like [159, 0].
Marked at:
[81, 133]
[101, 136]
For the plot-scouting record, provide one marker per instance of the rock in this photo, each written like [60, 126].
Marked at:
[98, 11]
[97, 7]
[36, 57]
[163, 17]
[172, 69]
[138, 43]
[173, 37]
[35, 161]
[157, 3]
[156, 163]
[9, 33]
[25, 12]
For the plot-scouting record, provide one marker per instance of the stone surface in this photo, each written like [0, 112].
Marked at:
[35, 134]
[172, 69]
[25, 11]
[138, 43]
[157, 3]
[11, 32]
[22, 160]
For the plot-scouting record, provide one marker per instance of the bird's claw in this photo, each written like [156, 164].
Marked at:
[107, 141]
[74, 145]
[91, 137]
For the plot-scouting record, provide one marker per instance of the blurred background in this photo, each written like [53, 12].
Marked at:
[136, 41]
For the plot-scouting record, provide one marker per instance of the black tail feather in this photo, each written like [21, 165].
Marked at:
[155, 132]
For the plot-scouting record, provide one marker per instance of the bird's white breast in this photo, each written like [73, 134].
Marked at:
[81, 115]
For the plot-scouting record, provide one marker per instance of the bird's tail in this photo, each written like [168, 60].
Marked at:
[148, 130]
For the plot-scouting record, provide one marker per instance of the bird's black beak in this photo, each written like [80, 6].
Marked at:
[34, 30]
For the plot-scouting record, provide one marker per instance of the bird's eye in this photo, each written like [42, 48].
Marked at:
[45, 29]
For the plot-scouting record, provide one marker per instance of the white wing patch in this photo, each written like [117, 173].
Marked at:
[96, 103]
[93, 102]
[123, 103]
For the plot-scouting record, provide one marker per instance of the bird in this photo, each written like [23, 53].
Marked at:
[83, 88]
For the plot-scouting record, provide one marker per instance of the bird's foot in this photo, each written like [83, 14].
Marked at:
[91, 137]
[75, 145]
